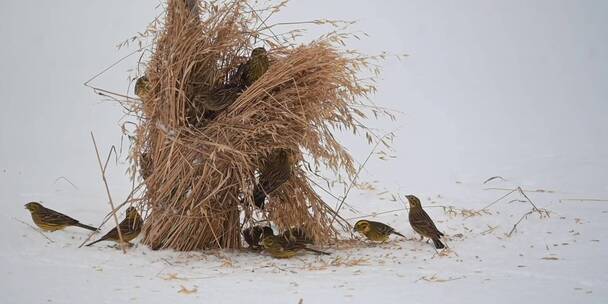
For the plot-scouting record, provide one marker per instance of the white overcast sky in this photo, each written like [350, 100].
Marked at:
[489, 87]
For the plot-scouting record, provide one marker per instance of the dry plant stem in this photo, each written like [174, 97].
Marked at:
[331, 194]
[493, 178]
[527, 190]
[109, 215]
[529, 200]
[37, 230]
[97, 90]
[354, 180]
[583, 200]
[519, 221]
[393, 211]
[498, 200]
[105, 182]
[374, 214]
[65, 179]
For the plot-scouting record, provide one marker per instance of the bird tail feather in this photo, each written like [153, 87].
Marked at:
[86, 227]
[399, 234]
[438, 244]
[317, 251]
[95, 242]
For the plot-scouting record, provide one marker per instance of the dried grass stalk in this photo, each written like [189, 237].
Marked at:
[200, 166]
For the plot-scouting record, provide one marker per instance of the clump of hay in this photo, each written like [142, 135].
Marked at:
[201, 164]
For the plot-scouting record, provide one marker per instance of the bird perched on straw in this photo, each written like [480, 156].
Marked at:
[145, 165]
[255, 67]
[422, 223]
[253, 235]
[130, 228]
[275, 171]
[211, 102]
[51, 220]
[141, 86]
[375, 231]
[281, 248]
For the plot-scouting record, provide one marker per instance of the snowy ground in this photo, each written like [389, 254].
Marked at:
[560, 259]
[507, 88]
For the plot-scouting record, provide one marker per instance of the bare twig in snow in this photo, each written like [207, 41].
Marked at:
[493, 178]
[46, 237]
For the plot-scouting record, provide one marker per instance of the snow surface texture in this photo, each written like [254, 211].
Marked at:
[510, 88]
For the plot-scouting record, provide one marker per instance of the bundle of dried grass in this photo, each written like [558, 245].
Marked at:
[205, 166]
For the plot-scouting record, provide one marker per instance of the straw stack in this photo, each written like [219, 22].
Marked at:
[202, 164]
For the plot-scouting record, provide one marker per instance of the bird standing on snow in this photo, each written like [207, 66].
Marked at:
[130, 228]
[253, 235]
[51, 220]
[281, 248]
[422, 223]
[375, 231]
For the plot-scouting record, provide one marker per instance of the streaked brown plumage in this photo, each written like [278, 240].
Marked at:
[141, 86]
[209, 103]
[281, 248]
[145, 165]
[422, 223]
[254, 235]
[255, 67]
[375, 231]
[276, 170]
[130, 228]
[51, 220]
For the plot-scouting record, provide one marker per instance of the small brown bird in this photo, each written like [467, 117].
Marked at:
[422, 223]
[281, 248]
[145, 165]
[375, 231]
[253, 236]
[141, 86]
[51, 220]
[255, 67]
[276, 170]
[130, 228]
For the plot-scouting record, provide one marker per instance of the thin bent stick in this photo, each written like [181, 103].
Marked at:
[103, 176]
[331, 194]
[583, 200]
[34, 229]
[65, 179]
[263, 22]
[521, 219]
[357, 176]
[529, 200]
[498, 200]
[109, 215]
[527, 190]
[86, 84]
[374, 214]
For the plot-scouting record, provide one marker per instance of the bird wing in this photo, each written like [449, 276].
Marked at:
[384, 228]
[125, 226]
[422, 221]
[52, 216]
